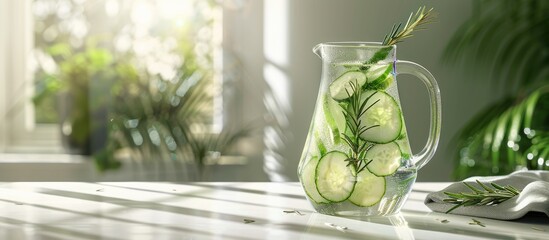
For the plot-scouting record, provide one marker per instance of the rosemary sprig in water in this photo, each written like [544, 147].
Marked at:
[353, 113]
[415, 21]
[488, 196]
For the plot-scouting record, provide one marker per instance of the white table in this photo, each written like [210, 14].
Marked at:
[156, 210]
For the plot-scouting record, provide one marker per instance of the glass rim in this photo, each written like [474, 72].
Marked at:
[352, 45]
[357, 44]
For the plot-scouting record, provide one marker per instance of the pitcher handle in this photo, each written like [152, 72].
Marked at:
[406, 67]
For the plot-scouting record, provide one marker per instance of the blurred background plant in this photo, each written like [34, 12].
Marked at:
[134, 88]
[505, 42]
[155, 121]
[70, 88]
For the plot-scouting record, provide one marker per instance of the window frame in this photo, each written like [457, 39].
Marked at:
[238, 101]
[19, 131]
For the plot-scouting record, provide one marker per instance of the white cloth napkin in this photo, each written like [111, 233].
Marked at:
[534, 196]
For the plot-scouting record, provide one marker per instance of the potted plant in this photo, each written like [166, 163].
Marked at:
[71, 85]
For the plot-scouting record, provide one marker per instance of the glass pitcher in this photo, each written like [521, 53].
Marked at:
[357, 159]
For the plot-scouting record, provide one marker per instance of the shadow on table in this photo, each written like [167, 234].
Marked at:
[462, 225]
[156, 206]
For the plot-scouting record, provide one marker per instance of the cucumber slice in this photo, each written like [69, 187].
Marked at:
[334, 117]
[379, 76]
[308, 181]
[385, 159]
[320, 149]
[381, 84]
[334, 179]
[369, 189]
[385, 113]
[341, 89]
[404, 145]
[378, 71]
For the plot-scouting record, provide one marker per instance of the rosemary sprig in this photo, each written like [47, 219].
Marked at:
[415, 21]
[353, 113]
[486, 196]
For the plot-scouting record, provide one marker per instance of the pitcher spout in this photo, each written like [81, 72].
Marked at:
[318, 50]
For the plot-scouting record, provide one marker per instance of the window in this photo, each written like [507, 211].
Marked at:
[86, 62]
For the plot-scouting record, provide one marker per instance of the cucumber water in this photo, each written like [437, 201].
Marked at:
[357, 160]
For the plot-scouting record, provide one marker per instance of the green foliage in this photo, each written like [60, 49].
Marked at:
[505, 42]
[77, 70]
[157, 120]
[153, 116]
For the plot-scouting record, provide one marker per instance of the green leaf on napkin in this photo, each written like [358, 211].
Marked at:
[480, 197]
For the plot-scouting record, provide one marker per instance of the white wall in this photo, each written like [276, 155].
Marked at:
[3, 46]
[312, 22]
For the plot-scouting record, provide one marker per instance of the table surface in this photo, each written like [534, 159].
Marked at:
[228, 210]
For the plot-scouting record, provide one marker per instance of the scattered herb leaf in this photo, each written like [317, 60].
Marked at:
[340, 228]
[538, 229]
[477, 222]
[294, 211]
[246, 221]
[444, 221]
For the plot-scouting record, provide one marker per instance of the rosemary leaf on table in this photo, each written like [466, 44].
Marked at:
[485, 196]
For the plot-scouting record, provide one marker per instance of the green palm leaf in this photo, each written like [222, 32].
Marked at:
[508, 140]
[505, 42]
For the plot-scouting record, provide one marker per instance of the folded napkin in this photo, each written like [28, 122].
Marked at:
[534, 196]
